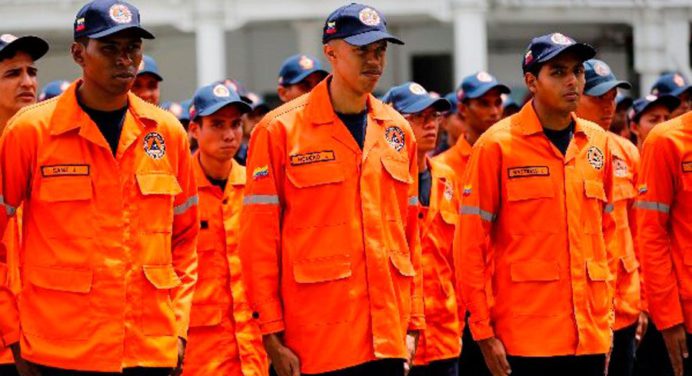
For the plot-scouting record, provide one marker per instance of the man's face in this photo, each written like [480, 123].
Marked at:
[219, 134]
[425, 125]
[559, 84]
[146, 86]
[110, 63]
[481, 113]
[18, 83]
[250, 120]
[685, 104]
[649, 119]
[290, 92]
[360, 68]
[600, 109]
[453, 125]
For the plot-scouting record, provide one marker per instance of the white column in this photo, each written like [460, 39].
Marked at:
[676, 39]
[649, 49]
[210, 41]
[470, 38]
[309, 38]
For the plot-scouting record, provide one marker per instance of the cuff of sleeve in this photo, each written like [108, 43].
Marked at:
[6, 339]
[272, 327]
[417, 322]
[481, 330]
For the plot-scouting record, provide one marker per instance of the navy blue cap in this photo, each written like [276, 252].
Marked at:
[642, 104]
[34, 46]
[101, 18]
[452, 99]
[623, 100]
[149, 66]
[173, 107]
[600, 79]
[411, 98]
[358, 25]
[211, 98]
[546, 47]
[671, 83]
[477, 84]
[53, 89]
[297, 67]
[185, 113]
[508, 101]
[257, 103]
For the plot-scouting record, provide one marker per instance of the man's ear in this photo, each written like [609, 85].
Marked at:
[282, 93]
[531, 82]
[329, 52]
[194, 128]
[78, 50]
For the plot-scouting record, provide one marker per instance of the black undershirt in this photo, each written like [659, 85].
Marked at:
[561, 138]
[424, 186]
[219, 183]
[356, 125]
[110, 123]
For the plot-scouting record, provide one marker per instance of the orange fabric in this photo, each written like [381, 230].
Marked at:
[10, 248]
[441, 338]
[329, 237]
[456, 157]
[624, 260]
[665, 223]
[108, 257]
[223, 338]
[542, 216]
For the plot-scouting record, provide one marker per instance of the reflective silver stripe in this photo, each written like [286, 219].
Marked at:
[655, 206]
[10, 210]
[413, 201]
[474, 210]
[182, 208]
[608, 208]
[261, 200]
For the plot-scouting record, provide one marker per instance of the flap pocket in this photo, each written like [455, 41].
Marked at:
[534, 270]
[448, 216]
[205, 315]
[402, 263]
[158, 184]
[529, 188]
[598, 270]
[594, 189]
[322, 270]
[163, 277]
[69, 280]
[65, 188]
[630, 263]
[311, 175]
[687, 181]
[397, 167]
[623, 190]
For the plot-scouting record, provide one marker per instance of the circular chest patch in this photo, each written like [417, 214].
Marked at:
[595, 157]
[154, 145]
[395, 137]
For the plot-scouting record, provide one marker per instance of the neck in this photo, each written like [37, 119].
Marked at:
[422, 165]
[552, 119]
[4, 119]
[344, 99]
[472, 135]
[215, 169]
[95, 98]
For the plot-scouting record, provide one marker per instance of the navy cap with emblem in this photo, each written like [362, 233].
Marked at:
[297, 67]
[452, 99]
[509, 102]
[32, 45]
[411, 98]
[53, 89]
[149, 66]
[211, 98]
[476, 85]
[642, 104]
[185, 113]
[358, 25]
[547, 47]
[671, 83]
[623, 101]
[600, 79]
[101, 18]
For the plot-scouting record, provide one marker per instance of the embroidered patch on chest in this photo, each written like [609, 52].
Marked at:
[154, 145]
[395, 137]
[527, 171]
[620, 167]
[312, 157]
[595, 157]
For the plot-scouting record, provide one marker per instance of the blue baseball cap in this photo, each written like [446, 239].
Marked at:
[411, 98]
[547, 47]
[358, 25]
[671, 83]
[623, 100]
[600, 79]
[149, 66]
[642, 104]
[477, 84]
[101, 18]
[452, 99]
[508, 102]
[32, 45]
[185, 113]
[257, 102]
[53, 89]
[173, 107]
[211, 98]
[297, 67]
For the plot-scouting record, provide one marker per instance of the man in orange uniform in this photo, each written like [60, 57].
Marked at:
[223, 339]
[329, 235]
[298, 75]
[18, 85]
[439, 346]
[598, 105]
[648, 112]
[148, 79]
[665, 234]
[110, 216]
[536, 193]
[676, 85]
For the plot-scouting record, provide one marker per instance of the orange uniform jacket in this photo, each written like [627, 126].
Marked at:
[664, 219]
[542, 216]
[108, 262]
[441, 338]
[329, 236]
[628, 304]
[456, 157]
[224, 339]
[10, 256]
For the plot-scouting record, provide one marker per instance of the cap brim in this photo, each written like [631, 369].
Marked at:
[670, 101]
[624, 101]
[304, 75]
[244, 107]
[439, 104]
[605, 87]
[155, 74]
[144, 34]
[681, 90]
[583, 50]
[368, 37]
[34, 46]
[479, 92]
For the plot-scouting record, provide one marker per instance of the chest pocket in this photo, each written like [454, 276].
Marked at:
[312, 184]
[532, 199]
[592, 210]
[316, 174]
[157, 192]
[64, 201]
[397, 168]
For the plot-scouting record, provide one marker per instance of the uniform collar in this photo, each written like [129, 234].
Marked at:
[319, 107]
[463, 146]
[235, 178]
[528, 122]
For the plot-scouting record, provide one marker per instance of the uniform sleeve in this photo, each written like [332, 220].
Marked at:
[656, 192]
[608, 227]
[480, 202]
[184, 239]
[260, 230]
[632, 220]
[413, 236]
